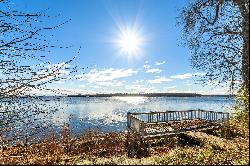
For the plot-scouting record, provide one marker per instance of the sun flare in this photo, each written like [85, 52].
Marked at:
[130, 42]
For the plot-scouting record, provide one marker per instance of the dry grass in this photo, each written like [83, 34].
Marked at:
[112, 148]
[53, 149]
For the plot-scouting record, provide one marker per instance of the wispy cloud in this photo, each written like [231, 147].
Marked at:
[199, 74]
[139, 81]
[140, 88]
[146, 67]
[159, 80]
[113, 83]
[170, 87]
[59, 82]
[106, 75]
[149, 69]
[160, 63]
[153, 70]
[186, 76]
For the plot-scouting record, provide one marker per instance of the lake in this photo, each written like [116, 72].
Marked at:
[109, 113]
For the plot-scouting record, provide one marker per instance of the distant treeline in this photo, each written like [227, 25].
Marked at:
[149, 95]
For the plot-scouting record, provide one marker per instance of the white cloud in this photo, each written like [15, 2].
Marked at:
[110, 83]
[170, 87]
[160, 63]
[159, 80]
[146, 67]
[155, 70]
[139, 81]
[106, 75]
[82, 85]
[140, 88]
[187, 75]
[182, 76]
[199, 74]
[59, 82]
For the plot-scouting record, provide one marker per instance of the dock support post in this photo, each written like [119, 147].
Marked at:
[128, 119]
[142, 129]
[227, 116]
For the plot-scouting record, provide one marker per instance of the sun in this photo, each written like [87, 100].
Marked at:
[130, 42]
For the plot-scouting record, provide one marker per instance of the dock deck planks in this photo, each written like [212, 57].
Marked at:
[156, 124]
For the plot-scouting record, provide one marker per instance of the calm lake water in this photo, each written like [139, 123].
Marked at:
[109, 114]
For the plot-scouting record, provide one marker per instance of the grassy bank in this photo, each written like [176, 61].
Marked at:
[97, 148]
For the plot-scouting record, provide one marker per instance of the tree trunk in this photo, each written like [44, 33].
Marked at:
[244, 10]
[245, 56]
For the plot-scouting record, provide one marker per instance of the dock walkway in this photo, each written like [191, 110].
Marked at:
[157, 124]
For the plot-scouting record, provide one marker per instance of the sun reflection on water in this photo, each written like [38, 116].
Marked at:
[135, 100]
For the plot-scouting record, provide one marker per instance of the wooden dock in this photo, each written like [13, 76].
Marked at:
[154, 124]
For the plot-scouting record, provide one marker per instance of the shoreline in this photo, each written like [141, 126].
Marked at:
[107, 95]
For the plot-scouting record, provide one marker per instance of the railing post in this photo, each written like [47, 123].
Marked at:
[142, 129]
[167, 116]
[128, 119]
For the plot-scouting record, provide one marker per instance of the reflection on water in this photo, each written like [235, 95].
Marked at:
[109, 114]
[81, 113]
[132, 100]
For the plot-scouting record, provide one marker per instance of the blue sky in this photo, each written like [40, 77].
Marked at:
[157, 62]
